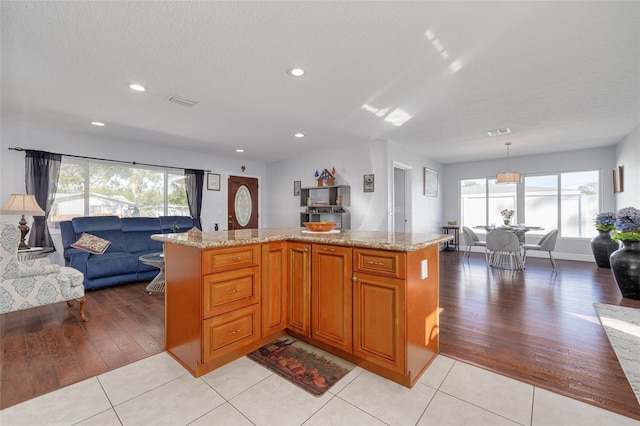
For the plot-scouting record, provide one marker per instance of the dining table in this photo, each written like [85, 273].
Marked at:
[519, 230]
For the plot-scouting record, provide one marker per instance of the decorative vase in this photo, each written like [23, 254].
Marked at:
[507, 221]
[602, 246]
[625, 266]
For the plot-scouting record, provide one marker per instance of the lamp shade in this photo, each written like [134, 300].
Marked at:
[22, 204]
[508, 177]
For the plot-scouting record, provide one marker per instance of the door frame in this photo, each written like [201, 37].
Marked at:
[408, 200]
[227, 176]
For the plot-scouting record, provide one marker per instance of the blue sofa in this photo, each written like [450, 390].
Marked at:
[130, 238]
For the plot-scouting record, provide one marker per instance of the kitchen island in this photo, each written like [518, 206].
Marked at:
[369, 297]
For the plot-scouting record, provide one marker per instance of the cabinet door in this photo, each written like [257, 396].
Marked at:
[379, 321]
[299, 286]
[274, 287]
[331, 296]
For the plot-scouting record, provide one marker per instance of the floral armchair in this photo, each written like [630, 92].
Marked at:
[34, 283]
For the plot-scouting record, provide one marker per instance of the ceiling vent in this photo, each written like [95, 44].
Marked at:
[181, 101]
[498, 132]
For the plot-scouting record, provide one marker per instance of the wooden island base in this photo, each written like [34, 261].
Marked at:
[377, 308]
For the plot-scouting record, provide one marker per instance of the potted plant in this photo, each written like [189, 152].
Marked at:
[507, 214]
[602, 245]
[625, 262]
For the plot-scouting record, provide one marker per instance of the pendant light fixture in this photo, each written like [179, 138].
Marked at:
[508, 177]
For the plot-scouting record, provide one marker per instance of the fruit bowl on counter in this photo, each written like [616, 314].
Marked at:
[320, 226]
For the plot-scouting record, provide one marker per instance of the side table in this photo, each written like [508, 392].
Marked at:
[455, 243]
[34, 253]
[155, 259]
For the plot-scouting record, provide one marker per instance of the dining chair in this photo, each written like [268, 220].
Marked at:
[547, 243]
[471, 239]
[504, 250]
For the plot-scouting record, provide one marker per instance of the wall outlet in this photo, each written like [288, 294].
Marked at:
[424, 269]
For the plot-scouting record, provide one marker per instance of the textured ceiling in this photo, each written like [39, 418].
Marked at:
[560, 75]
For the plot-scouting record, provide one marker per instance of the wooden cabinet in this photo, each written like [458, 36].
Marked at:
[378, 320]
[274, 287]
[379, 306]
[299, 288]
[395, 310]
[376, 308]
[331, 296]
[212, 303]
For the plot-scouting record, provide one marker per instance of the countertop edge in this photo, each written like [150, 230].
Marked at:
[351, 240]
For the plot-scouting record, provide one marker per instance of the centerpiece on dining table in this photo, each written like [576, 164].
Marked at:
[507, 215]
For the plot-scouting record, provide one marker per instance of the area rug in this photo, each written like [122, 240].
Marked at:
[622, 326]
[306, 366]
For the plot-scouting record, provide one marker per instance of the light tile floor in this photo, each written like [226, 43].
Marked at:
[158, 391]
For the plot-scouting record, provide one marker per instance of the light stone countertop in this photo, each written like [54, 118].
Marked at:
[398, 241]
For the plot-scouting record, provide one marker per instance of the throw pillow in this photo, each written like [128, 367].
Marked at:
[91, 243]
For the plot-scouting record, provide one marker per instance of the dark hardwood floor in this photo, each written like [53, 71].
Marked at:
[49, 347]
[535, 326]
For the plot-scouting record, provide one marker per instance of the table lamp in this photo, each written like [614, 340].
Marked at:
[22, 204]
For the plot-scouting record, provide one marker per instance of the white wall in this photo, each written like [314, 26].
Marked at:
[426, 211]
[628, 155]
[17, 134]
[369, 210]
[569, 161]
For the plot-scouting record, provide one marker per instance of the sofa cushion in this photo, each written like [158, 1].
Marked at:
[107, 227]
[91, 243]
[137, 233]
[114, 263]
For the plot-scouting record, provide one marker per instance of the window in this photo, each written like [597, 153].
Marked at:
[566, 201]
[96, 188]
[541, 202]
[580, 203]
[473, 202]
[501, 196]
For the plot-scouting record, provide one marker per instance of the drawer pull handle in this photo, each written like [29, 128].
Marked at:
[231, 333]
[371, 262]
[328, 249]
[235, 290]
[233, 259]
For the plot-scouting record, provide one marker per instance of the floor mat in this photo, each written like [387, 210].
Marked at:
[306, 366]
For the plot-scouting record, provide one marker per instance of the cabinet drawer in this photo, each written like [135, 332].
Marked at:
[226, 333]
[379, 262]
[230, 258]
[226, 291]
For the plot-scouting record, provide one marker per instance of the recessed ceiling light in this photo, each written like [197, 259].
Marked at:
[137, 87]
[239, 150]
[97, 123]
[295, 71]
[299, 135]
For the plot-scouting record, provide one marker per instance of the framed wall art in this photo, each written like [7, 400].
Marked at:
[213, 181]
[430, 182]
[368, 183]
[296, 187]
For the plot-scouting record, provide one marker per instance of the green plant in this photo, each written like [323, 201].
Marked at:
[175, 227]
[627, 225]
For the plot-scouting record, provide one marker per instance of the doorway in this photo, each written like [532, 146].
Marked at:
[401, 198]
[242, 202]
